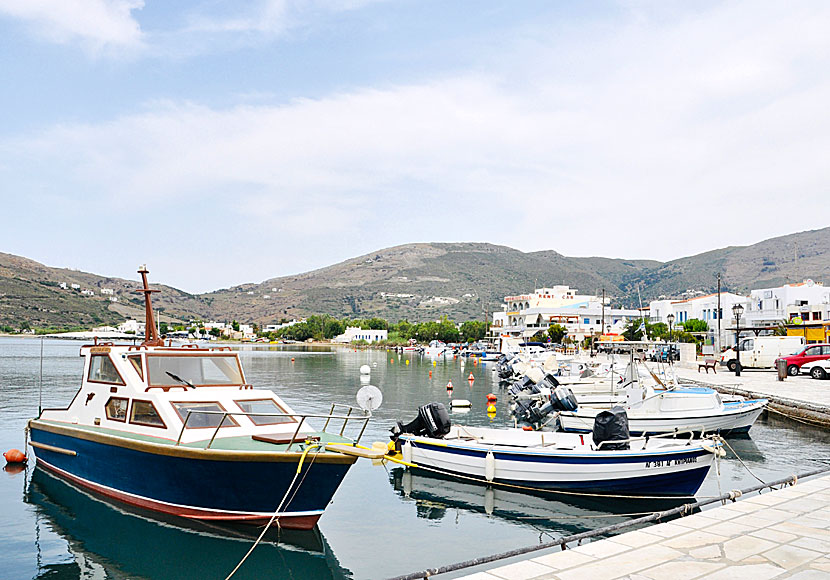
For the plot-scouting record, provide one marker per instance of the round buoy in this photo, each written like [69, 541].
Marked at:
[365, 370]
[491, 408]
[435, 362]
[491, 398]
[391, 361]
[430, 374]
[475, 362]
[449, 385]
[527, 428]
[14, 456]
[292, 359]
[407, 361]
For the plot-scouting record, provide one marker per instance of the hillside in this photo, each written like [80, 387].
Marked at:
[412, 281]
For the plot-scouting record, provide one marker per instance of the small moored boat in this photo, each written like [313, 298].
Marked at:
[556, 461]
[179, 430]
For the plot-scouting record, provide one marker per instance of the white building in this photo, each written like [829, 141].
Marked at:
[353, 333]
[701, 308]
[107, 291]
[87, 292]
[807, 300]
[63, 285]
[581, 314]
[131, 326]
[276, 327]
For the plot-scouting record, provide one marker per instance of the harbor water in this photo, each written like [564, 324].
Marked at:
[383, 521]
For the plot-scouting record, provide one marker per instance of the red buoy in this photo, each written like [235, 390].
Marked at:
[471, 378]
[527, 428]
[14, 456]
[292, 359]
[491, 398]
[449, 385]
[430, 374]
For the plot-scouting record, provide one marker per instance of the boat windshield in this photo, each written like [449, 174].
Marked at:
[195, 370]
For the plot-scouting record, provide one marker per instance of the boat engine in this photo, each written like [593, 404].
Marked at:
[533, 412]
[612, 425]
[433, 420]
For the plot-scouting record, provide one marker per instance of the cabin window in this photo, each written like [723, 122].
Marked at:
[102, 370]
[199, 418]
[207, 370]
[144, 413]
[116, 409]
[264, 406]
[135, 360]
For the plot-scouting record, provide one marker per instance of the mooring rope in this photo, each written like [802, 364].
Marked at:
[683, 510]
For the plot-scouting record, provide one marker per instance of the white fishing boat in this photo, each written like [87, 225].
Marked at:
[555, 460]
[670, 410]
[436, 348]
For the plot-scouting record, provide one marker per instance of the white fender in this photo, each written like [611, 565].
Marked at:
[406, 451]
[489, 466]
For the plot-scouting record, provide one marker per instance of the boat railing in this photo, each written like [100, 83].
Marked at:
[361, 418]
[690, 430]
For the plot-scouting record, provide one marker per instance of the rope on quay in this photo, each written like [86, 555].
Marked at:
[683, 510]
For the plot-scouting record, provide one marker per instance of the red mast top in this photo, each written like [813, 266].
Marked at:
[151, 337]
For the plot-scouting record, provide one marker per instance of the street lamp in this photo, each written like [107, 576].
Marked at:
[737, 310]
[670, 319]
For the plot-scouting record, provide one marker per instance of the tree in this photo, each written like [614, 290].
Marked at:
[163, 327]
[474, 330]
[557, 332]
[633, 330]
[695, 325]
[215, 332]
[235, 325]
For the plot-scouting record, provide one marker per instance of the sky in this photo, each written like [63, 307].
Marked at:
[224, 142]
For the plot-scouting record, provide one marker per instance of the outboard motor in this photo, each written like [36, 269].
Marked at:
[611, 425]
[548, 381]
[535, 412]
[433, 420]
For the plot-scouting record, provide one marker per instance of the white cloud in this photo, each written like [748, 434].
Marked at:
[700, 128]
[98, 24]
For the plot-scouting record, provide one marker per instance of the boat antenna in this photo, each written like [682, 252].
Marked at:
[40, 381]
[151, 337]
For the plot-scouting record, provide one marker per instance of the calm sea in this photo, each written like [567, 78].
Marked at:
[383, 521]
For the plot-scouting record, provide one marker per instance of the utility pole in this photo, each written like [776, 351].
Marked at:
[719, 316]
[602, 328]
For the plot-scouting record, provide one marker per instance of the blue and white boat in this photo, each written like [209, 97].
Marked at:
[179, 430]
[564, 461]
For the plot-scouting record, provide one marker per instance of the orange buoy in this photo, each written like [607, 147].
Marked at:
[292, 359]
[491, 397]
[14, 456]
[527, 428]
[449, 385]
[471, 377]
[430, 374]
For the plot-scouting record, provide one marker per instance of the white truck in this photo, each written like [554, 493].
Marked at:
[760, 352]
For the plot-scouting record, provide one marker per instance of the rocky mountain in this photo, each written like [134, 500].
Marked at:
[412, 281]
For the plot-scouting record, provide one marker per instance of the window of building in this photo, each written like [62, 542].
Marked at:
[144, 413]
[116, 409]
[102, 370]
[264, 406]
[587, 321]
[816, 315]
[203, 414]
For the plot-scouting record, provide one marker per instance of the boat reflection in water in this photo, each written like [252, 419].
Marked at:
[109, 541]
[553, 512]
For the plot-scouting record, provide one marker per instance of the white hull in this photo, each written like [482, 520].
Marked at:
[733, 417]
[563, 461]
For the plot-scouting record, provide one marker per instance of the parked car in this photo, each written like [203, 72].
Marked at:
[808, 354]
[819, 369]
[762, 351]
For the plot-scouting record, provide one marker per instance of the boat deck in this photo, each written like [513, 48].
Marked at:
[779, 534]
[236, 443]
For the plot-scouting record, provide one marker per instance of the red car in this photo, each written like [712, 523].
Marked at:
[810, 353]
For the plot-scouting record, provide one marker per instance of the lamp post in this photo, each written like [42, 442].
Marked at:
[737, 310]
[670, 319]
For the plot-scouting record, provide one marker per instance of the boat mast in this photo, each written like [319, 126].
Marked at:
[151, 336]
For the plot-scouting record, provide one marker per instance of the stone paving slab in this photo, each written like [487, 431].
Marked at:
[779, 534]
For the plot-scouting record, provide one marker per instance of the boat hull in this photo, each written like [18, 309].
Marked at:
[671, 473]
[193, 483]
[735, 418]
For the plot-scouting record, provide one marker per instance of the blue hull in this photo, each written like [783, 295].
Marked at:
[202, 488]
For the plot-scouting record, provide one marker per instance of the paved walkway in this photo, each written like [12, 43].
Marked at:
[779, 534]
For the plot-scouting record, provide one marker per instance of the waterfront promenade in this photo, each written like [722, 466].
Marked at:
[777, 534]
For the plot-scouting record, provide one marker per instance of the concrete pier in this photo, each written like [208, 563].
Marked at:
[778, 534]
